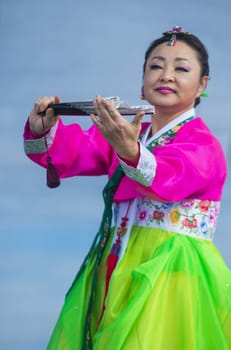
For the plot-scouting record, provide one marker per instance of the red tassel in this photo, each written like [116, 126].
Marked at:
[111, 264]
[52, 176]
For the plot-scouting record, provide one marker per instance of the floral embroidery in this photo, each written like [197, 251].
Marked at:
[191, 217]
[189, 223]
[203, 227]
[161, 141]
[143, 214]
[176, 128]
[213, 216]
[187, 203]
[168, 136]
[167, 205]
[174, 216]
[158, 215]
[164, 140]
[204, 205]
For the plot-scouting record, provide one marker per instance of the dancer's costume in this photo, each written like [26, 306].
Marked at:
[168, 286]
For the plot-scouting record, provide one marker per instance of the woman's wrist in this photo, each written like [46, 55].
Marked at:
[131, 158]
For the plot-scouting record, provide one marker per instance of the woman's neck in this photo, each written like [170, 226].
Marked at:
[160, 119]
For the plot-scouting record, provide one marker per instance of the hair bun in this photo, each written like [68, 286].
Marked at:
[176, 30]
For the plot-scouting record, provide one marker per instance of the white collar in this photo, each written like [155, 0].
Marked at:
[170, 125]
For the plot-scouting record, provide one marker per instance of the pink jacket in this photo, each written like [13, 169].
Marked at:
[191, 166]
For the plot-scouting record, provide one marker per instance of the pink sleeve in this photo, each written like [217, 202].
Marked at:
[193, 165]
[75, 151]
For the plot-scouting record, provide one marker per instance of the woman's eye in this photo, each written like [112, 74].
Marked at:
[155, 66]
[182, 69]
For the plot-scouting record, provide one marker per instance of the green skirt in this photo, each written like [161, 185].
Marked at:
[169, 291]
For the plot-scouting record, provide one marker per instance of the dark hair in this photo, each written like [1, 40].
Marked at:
[193, 42]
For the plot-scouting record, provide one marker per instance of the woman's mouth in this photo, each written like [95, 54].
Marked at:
[165, 90]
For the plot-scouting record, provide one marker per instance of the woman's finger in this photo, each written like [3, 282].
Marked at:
[96, 120]
[138, 118]
[100, 108]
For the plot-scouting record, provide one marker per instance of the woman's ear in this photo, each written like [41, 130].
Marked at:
[202, 85]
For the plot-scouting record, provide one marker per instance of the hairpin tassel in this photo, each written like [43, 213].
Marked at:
[173, 34]
[172, 40]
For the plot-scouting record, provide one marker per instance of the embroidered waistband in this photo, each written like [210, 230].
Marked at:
[192, 217]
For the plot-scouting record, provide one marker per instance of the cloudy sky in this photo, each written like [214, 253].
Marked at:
[78, 48]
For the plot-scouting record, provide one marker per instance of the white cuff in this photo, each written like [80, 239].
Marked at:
[145, 171]
[37, 146]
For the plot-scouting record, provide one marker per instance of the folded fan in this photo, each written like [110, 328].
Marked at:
[87, 107]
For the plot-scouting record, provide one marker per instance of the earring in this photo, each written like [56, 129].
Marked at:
[142, 93]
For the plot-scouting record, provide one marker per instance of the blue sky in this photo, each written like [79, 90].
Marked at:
[77, 49]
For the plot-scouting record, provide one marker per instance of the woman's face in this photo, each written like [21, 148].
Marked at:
[172, 78]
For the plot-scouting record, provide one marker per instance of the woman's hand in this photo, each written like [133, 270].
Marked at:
[35, 119]
[120, 133]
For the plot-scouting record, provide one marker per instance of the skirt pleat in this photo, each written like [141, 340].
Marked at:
[169, 291]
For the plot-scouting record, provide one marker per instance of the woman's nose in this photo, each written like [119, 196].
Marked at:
[167, 75]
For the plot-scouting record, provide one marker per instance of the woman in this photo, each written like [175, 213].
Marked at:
[154, 280]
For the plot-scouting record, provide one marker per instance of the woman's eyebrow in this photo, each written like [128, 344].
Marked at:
[182, 59]
[158, 58]
[176, 59]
